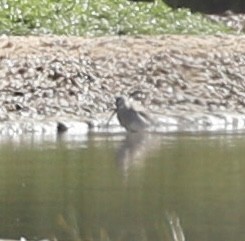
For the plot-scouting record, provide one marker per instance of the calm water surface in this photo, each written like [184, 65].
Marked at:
[124, 187]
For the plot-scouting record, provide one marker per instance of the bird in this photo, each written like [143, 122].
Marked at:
[130, 118]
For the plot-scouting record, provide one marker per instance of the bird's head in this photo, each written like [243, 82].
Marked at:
[120, 102]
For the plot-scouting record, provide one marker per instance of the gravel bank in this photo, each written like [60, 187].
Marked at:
[77, 79]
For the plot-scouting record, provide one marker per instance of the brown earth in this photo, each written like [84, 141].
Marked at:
[79, 77]
[102, 46]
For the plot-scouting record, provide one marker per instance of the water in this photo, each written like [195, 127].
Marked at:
[124, 188]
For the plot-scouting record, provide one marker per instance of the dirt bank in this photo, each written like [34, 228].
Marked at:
[78, 78]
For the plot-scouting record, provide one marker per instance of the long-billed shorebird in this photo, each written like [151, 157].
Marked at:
[130, 118]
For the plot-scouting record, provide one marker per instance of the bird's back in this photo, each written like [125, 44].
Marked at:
[133, 120]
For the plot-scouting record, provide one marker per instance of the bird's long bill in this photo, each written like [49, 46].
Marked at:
[113, 113]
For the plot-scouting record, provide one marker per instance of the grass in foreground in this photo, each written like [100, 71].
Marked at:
[96, 18]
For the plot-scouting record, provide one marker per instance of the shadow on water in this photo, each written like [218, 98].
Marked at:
[123, 187]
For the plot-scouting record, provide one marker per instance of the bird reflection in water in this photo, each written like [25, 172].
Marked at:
[134, 149]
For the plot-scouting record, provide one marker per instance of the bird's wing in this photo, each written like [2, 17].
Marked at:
[142, 113]
[146, 116]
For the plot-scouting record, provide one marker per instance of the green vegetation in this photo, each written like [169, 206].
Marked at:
[96, 18]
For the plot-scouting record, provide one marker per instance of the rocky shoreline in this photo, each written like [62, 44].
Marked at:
[189, 82]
